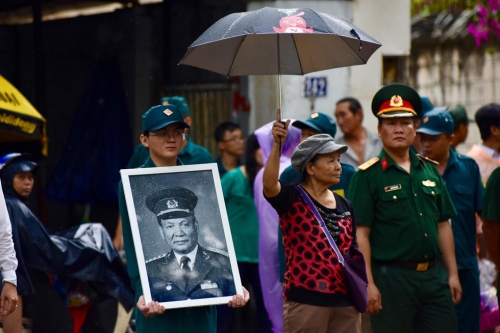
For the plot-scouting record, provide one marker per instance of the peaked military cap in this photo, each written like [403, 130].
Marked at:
[396, 100]
[436, 122]
[428, 106]
[172, 202]
[319, 122]
[179, 101]
[160, 116]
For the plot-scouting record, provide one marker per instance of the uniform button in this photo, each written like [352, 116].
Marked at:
[421, 214]
[394, 197]
[425, 235]
[415, 194]
[432, 192]
[426, 256]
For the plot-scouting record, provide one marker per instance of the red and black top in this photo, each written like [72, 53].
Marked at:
[313, 273]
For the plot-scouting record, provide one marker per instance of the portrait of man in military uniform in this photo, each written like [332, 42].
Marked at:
[188, 271]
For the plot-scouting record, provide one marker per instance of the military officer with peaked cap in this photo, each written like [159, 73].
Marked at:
[402, 210]
[188, 271]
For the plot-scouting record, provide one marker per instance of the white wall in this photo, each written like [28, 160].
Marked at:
[388, 21]
[449, 79]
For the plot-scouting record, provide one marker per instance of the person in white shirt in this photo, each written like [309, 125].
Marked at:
[8, 266]
[487, 153]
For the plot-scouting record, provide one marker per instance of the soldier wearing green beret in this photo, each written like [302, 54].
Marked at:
[163, 135]
[402, 210]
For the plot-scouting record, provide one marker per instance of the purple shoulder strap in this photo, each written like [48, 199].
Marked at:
[321, 223]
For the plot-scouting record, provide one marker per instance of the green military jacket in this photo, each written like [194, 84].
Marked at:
[402, 209]
[185, 320]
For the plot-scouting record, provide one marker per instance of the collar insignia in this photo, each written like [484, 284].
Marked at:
[384, 163]
[167, 112]
[172, 204]
[428, 183]
[392, 188]
[396, 101]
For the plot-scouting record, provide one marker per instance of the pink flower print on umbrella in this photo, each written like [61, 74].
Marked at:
[293, 24]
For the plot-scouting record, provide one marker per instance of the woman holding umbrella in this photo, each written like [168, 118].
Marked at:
[315, 292]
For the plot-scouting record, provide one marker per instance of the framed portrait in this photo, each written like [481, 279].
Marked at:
[181, 235]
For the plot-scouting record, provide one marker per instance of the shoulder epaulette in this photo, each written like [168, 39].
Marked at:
[368, 163]
[157, 257]
[212, 249]
[428, 159]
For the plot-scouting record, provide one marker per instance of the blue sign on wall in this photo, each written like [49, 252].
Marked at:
[315, 86]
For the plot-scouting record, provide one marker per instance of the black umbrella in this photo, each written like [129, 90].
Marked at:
[279, 41]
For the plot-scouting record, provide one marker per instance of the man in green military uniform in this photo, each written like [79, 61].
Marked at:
[402, 210]
[163, 135]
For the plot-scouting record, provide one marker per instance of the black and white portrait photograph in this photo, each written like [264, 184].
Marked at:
[181, 235]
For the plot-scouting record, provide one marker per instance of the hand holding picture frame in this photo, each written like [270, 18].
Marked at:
[181, 235]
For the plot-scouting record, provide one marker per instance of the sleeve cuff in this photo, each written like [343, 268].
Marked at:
[9, 276]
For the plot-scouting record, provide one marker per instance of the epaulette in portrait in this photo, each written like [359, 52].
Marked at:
[371, 162]
[158, 257]
[427, 159]
[212, 249]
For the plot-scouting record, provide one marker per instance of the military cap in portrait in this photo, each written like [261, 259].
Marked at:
[395, 101]
[172, 202]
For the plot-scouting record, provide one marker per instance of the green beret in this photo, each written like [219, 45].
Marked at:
[172, 202]
[396, 100]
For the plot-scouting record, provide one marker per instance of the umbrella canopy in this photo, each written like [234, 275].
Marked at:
[19, 120]
[272, 41]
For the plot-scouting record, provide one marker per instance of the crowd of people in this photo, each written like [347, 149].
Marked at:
[299, 198]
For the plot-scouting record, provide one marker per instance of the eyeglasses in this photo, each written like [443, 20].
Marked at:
[166, 135]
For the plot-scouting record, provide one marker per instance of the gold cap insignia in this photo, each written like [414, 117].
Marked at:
[167, 112]
[426, 119]
[314, 115]
[428, 183]
[396, 101]
[165, 102]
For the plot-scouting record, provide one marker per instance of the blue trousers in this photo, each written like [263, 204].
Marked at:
[468, 310]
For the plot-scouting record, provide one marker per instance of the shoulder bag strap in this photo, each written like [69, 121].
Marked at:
[321, 223]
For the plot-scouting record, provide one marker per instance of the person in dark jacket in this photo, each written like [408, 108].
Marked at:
[86, 254]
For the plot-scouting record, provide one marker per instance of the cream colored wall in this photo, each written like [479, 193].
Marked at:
[388, 21]
[359, 81]
[448, 80]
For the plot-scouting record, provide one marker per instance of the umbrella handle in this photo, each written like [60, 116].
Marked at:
[284, 124]
[355, 34]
